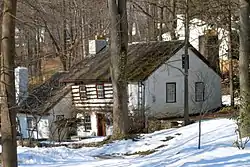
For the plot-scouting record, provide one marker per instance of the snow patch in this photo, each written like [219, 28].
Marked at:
[216, 150]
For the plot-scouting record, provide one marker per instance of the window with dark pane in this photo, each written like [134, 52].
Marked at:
[83, 92]
[171, 92]
[31, 123]
[87, 122]
[100, 91]
[59, 117]
[199, 91]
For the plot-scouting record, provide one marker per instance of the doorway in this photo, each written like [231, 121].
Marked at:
[101, 125]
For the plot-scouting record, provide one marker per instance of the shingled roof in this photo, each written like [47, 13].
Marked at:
[143, 60]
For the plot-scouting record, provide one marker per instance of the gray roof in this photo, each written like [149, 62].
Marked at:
[143, 59]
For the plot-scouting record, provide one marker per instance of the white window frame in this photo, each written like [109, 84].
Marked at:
[171, 94]
[100, 91]
[83, 92]
[199, 91]
[87, 122]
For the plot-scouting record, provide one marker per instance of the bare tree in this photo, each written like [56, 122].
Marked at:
[186, 64]
[244, 66]
[230, 53]
[202, 106]
[119, 46]
[7, 86]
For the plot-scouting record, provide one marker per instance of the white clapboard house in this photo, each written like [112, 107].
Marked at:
[81, 100]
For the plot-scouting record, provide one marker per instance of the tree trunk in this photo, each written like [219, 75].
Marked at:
[160, 16]
[119, 46]
[7, 86]
[244, 54]
[39, 57]
[173, 20]
[186, 91]
[29, 54]
[230, 54]
[64, 54]
[151, 23]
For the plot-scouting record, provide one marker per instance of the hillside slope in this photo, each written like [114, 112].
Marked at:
[170, 148]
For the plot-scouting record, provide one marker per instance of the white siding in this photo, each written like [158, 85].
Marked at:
[109, 130]
[197, 28]
[172, 72]
[42, 127]
[63, 107]
[81, 129]
[97, 103]
[133, 95]
[23, 123]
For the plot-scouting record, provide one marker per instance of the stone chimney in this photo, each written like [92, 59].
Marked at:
[209, 48]
[21, 83]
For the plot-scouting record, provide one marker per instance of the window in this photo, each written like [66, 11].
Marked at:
[18, 128]
[87, 122]
[199, 91]
[83, 92]
[100, 91]
[171, 92]
[31, 123]
[59, 117]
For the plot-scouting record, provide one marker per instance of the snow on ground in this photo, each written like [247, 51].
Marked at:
[217, 139]
[84, 141]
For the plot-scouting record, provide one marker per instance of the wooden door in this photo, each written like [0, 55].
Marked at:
[101, 124]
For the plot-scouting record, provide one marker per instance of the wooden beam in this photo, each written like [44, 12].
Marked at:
[86, 81]
[82, 102]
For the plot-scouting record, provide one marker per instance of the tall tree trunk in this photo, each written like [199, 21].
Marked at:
[244, 66]
[152, 23]
[173, 20]
[119, 46]
[186, 91]
[63, 56]
[230, 53]
[71, 55]
[1, 11]
[148, 36]
[7, 86]
[29, 54]
[160, 16]
[39, 58]
[131, 15]
[84, 37]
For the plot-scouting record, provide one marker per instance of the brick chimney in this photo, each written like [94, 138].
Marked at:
[209, 48]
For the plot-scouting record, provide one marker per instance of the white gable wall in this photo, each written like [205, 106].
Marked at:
[155, 87]
[42, 131]
[43, 128]
[133, 96]
[63, 107]
[46, 127]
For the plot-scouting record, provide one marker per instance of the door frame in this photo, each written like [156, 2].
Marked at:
[101, 124]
